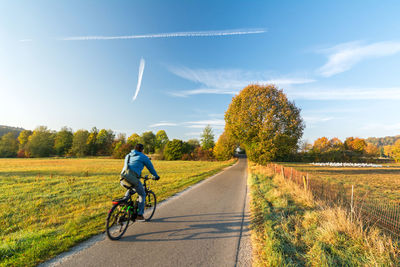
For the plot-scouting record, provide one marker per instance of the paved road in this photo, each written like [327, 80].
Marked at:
[205, 226]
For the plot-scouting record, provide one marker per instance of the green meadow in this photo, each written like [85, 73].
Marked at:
[49, 205]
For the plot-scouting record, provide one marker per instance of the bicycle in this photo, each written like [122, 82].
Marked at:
[125, 210]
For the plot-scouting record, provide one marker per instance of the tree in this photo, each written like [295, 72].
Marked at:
[148, 139]
[371, 150]
[207, 138]
[321, 145]
[336, 144]
[388, 151]
[161, 140]
[173, 150]
[121, 150]
[396, 151]
[23, 138]
[193, 143]
[63, 141]
[41, 142]
[121, 147]
[355, 144]
[104, 141]
[22, 141]
[265, 122]
[121, 137]
[8, 145]
[305, 146]
[91, 142]
[225, 147]
[134, 139]
[80, 146]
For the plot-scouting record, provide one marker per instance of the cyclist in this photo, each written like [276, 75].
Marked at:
[137, 161]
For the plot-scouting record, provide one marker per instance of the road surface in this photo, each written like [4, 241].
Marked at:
[205, 226]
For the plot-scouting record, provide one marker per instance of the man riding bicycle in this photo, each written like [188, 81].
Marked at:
[134, 164]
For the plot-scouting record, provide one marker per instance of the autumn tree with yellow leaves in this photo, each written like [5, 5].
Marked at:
[265, 122]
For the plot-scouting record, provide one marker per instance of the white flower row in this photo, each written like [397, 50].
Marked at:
[346, 164]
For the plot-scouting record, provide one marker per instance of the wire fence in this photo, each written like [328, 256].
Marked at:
[384, 214]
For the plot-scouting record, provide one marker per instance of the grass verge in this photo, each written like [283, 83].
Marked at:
[49, 205]
[290, 229]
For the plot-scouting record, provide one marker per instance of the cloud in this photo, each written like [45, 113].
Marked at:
[382, 126]
[344, 56]
[316, 119]
[346, 94]
[168, 35]
[25, 40]
[140, 75]
[193, 134]
[204, 91]
[227, 81]
[163, 123]
[214, 123]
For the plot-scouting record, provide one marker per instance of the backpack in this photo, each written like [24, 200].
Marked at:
[130, 176]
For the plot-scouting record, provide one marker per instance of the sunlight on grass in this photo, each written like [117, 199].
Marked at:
[48, 205]
[290, 229]
[376, 182]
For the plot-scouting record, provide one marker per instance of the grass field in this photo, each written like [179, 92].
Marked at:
[290, 229]
[377, 182]
[49, 205]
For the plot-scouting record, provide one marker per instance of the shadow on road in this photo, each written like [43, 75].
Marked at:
[192, 227]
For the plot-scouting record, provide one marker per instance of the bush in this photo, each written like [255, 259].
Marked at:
[8, 145]
[173, 150]
[203, 154]
[121, 150]
[41, 142]
[21, 153]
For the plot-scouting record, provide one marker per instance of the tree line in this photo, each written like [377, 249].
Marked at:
[263, 121]
[259, 119]
[43, 142]
[353, 149]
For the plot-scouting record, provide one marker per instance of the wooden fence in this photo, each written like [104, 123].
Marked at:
[382, 213]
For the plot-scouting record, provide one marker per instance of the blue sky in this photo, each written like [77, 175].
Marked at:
[76, 63]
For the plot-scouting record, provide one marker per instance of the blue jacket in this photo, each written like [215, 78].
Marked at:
[137, 162]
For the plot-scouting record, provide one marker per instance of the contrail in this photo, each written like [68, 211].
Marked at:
[168, 35]
[140, 75]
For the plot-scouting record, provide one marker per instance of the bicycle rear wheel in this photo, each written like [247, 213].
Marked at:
[118, 220]
[151, 204]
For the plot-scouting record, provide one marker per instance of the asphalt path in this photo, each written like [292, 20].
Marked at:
[206, 225]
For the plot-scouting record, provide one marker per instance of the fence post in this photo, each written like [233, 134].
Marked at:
[282, 172]
[291, 173]
[352, 203]
[305, 183]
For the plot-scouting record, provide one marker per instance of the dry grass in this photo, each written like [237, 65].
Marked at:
[290, 229]
[48, 205]
[377, 182]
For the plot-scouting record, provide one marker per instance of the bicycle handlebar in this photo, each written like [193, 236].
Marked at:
[146, 177]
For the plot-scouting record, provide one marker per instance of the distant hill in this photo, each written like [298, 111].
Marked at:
[383, 141]
[6, 129]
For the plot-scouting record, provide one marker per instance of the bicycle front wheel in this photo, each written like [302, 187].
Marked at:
[151, 203]
[118, 220]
